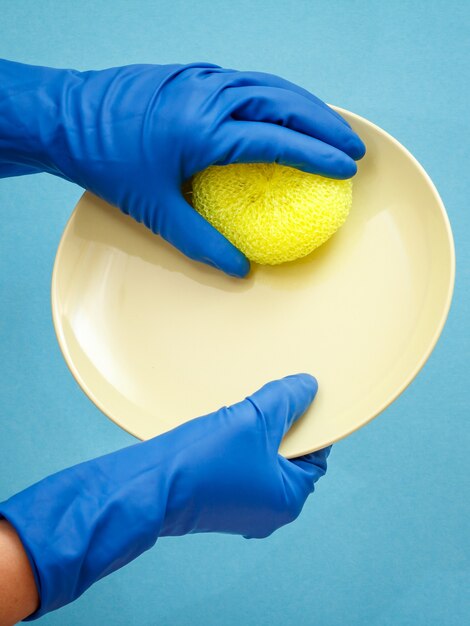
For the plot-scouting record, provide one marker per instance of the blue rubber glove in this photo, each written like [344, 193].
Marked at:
[132, 135]
[218, 473]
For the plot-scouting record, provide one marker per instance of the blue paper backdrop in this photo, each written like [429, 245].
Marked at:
[384, 539]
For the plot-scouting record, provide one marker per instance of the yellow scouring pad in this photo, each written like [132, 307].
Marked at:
[272, 213]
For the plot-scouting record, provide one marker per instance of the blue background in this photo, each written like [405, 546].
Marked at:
[384, 539]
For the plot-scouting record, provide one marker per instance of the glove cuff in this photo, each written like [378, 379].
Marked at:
[85, 522]
[31, 110]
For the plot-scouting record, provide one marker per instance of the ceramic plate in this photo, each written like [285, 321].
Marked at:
[155, 339]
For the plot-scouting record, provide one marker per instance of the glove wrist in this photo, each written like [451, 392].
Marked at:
[32, 100]
[87, 521]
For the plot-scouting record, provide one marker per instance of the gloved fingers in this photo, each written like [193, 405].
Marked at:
[314, 464]
[282, 402]
[251, 78]
[301, 474]
[258, 142]
[294, 111]
[188, 231]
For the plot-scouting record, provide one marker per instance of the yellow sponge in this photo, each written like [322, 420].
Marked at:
[271, 212]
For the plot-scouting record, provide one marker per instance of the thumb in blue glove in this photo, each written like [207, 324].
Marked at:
[218, 473]
[133, 135]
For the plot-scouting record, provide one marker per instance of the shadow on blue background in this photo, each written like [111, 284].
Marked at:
[384, 540]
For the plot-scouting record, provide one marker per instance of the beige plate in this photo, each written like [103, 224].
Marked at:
[155, 340]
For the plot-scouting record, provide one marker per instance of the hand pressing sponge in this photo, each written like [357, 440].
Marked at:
[272, 213]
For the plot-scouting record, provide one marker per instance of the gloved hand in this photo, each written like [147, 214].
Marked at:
[132, 135]
[218, 473]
